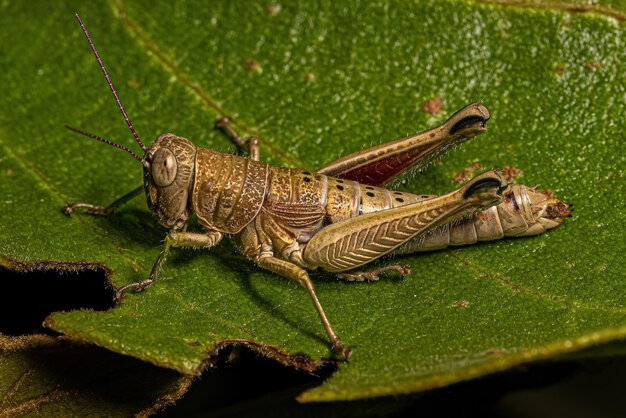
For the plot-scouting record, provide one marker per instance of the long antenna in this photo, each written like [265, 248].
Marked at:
[106, 75]
[106, 141]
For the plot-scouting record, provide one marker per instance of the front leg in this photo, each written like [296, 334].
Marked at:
[173, 239]
[102, 210]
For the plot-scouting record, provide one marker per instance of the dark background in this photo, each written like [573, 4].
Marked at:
[249, 385]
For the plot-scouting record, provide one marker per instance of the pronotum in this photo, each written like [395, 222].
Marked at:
[338, 218]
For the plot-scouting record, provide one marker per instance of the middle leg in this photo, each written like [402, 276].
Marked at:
[373, 275]
[250, 145]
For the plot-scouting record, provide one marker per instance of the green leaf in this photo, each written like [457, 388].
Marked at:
[327, 79]
[50, 377]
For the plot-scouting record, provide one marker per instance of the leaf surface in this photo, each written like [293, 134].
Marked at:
[314, 82]
[45, 376]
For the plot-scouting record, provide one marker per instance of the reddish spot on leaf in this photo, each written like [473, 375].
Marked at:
[462, 303]
[511, 173]
[433, 106]
[253, 66]
[593, 66]
[467, 173]
[273, 9]
[559, 69]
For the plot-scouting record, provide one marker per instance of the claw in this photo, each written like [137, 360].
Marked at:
[345, 352]
[221, 123]
[374, 275]
[138, 287]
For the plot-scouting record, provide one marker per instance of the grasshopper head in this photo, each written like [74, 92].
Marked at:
[169, 165]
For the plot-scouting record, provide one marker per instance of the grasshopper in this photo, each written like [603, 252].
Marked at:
[338, 218]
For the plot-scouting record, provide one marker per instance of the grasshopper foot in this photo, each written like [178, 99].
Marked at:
[67, 210]
[222, 123]
[343, 351]
[371, 276]
[91, 209]
[138, 287]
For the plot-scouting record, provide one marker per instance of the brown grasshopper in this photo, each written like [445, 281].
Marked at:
[338, 218]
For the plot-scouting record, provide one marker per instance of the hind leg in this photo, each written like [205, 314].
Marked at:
[300, 276]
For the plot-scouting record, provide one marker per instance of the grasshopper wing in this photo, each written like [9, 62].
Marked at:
[362, 239]
[379, 165]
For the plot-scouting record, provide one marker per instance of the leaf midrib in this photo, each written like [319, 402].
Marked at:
[167, 64]
[600, 10]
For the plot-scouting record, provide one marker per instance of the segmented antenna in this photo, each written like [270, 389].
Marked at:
[106, 75]
[106, 141]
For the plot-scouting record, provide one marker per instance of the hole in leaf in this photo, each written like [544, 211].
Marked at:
[28, 298]
[242, 378]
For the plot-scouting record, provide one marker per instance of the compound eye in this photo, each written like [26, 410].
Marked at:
[164, 167]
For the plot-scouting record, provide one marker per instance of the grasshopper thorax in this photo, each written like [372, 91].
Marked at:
[169, 165]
